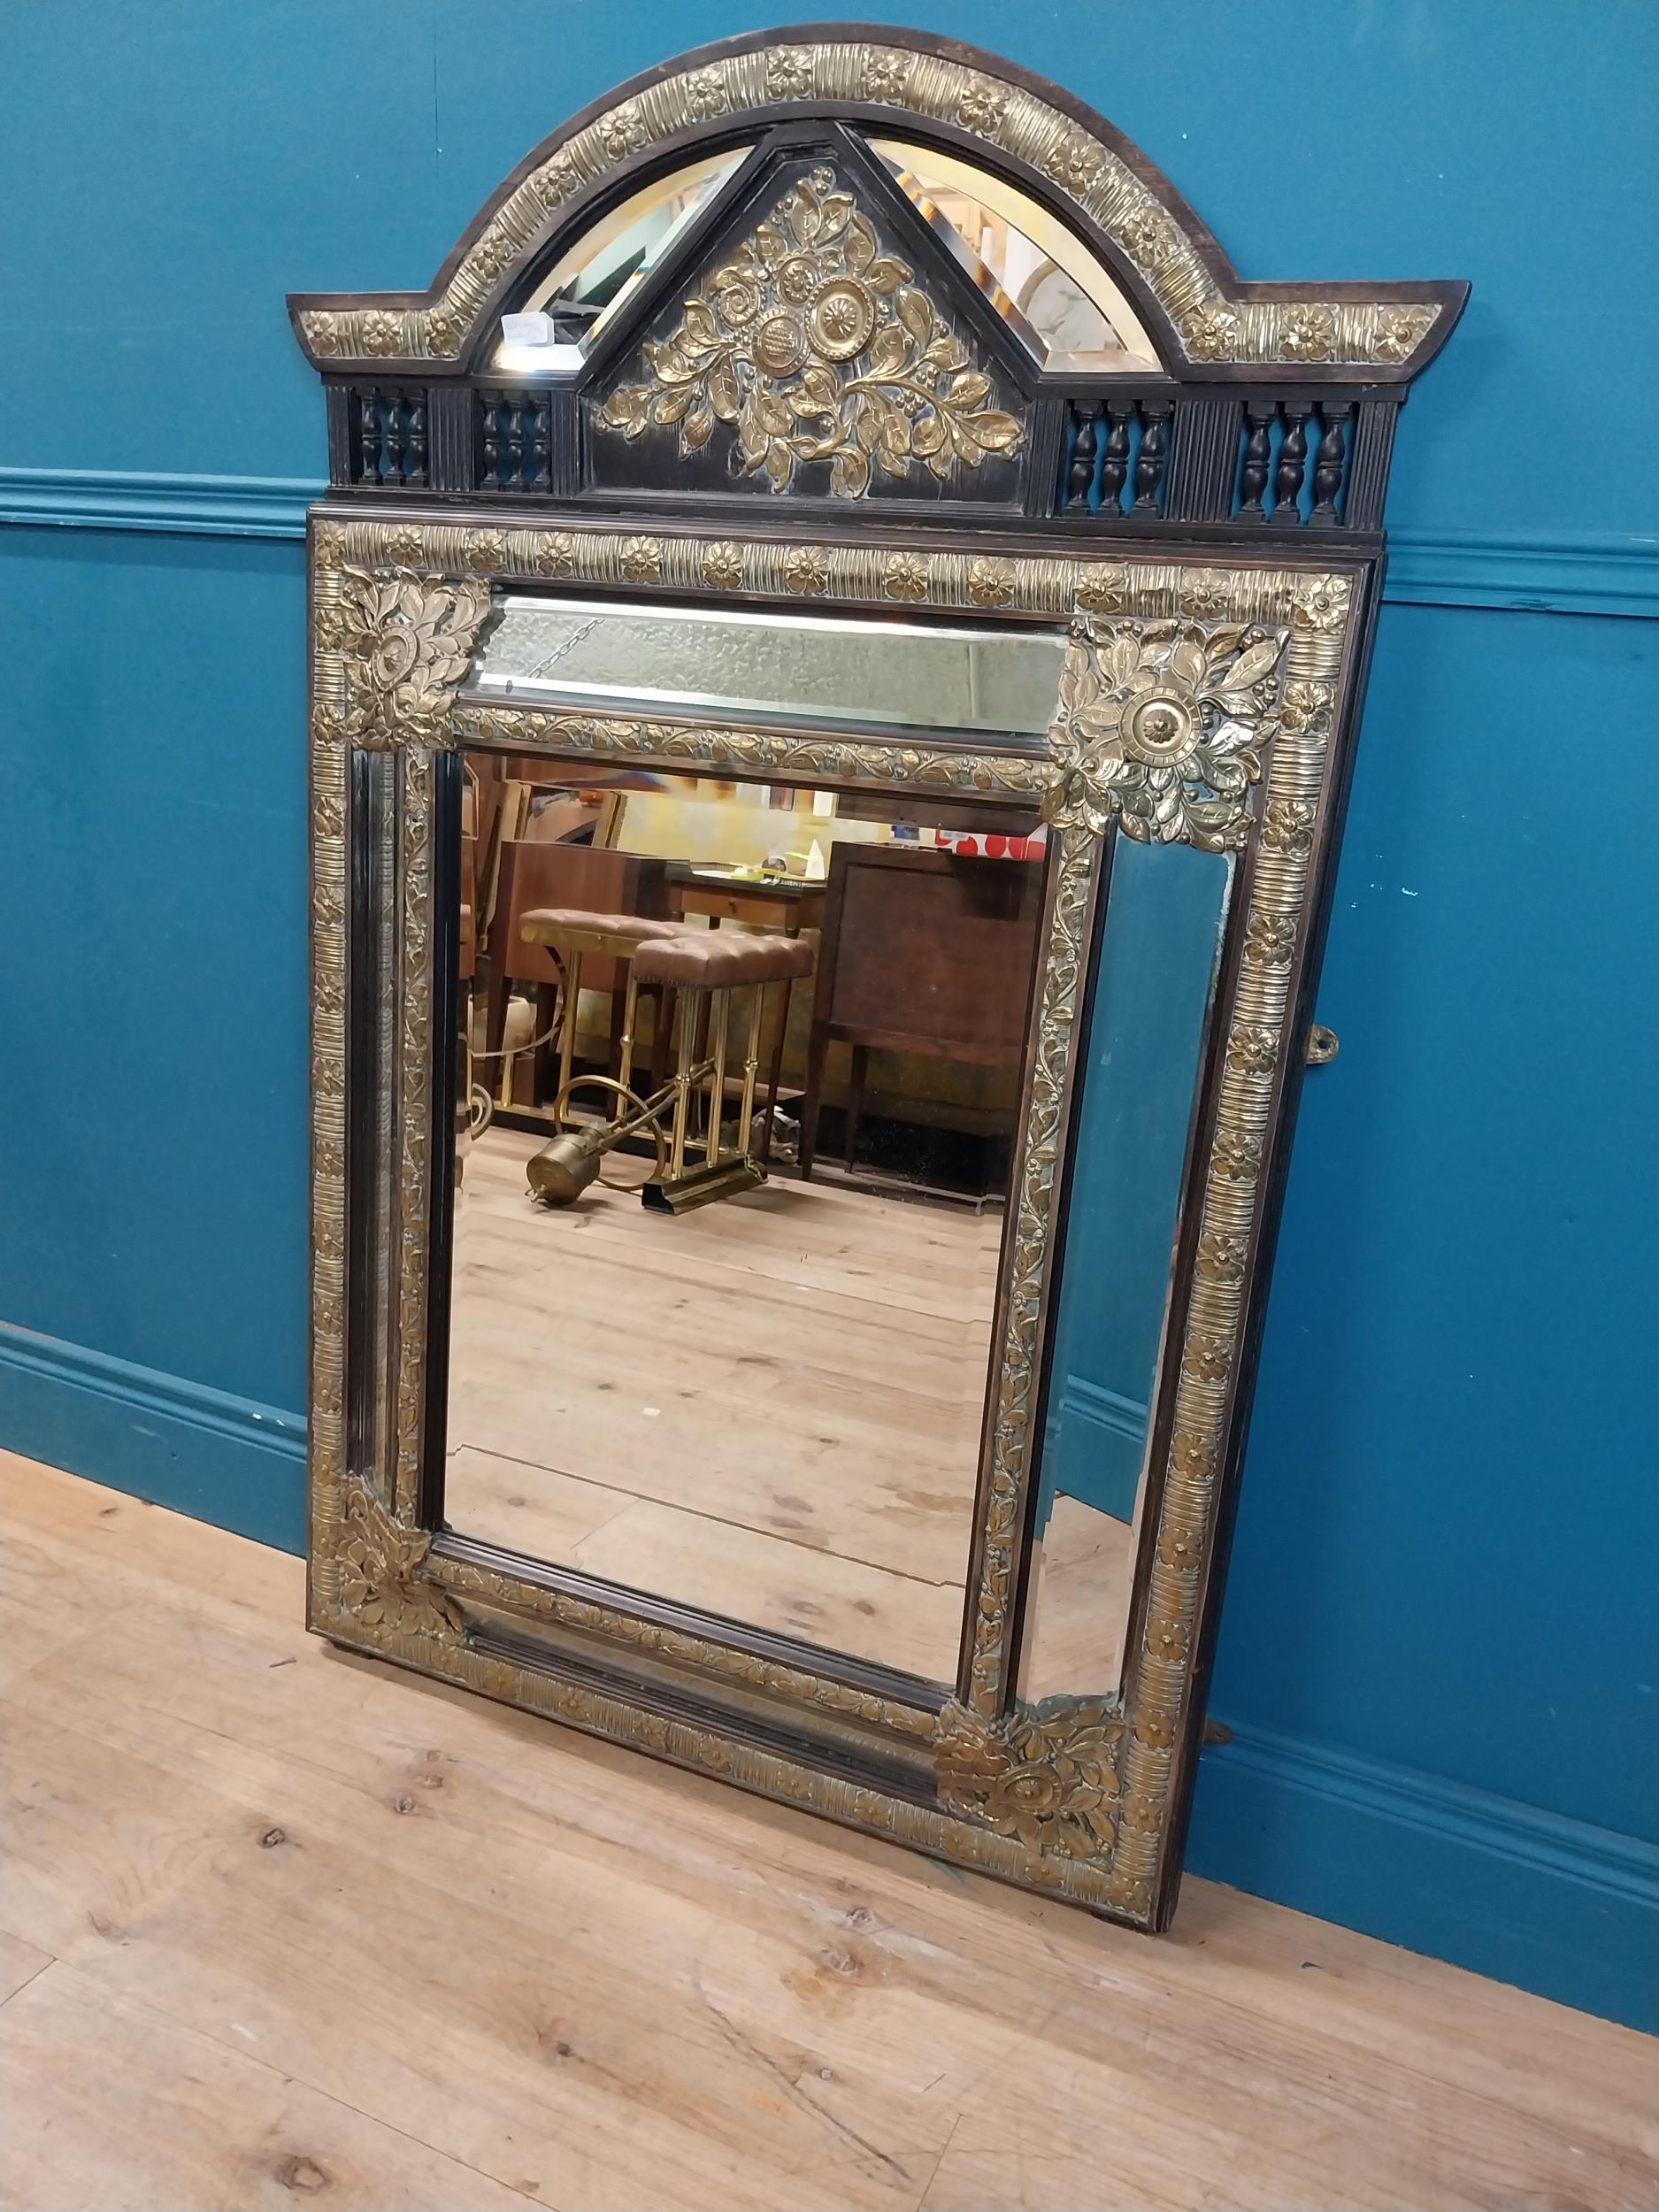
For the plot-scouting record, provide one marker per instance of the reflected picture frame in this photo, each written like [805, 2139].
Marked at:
[1212, 527]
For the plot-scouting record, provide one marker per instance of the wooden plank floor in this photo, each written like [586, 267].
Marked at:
[282, 1927]
[768, 1407]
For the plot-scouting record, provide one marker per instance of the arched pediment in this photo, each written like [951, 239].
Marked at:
[1204, 323]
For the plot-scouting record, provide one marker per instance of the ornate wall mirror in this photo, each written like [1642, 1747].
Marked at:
[836, 632]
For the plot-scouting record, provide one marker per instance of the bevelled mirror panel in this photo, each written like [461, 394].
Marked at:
[887, 677]
[744, 1367]
[1166, 907]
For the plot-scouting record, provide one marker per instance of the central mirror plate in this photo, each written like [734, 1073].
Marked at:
[762, 1393]
[744, 1070]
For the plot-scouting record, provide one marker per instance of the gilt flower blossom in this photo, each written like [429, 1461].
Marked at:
[1047, 1775]
[407, 644]
[1159, 723]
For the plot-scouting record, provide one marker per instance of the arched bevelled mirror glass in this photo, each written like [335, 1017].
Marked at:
[1036, 271]
[588, 287]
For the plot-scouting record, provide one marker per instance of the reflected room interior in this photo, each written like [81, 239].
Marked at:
[741, 1074]
[766, 1402]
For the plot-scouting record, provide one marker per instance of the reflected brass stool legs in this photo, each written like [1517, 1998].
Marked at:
[704, 968]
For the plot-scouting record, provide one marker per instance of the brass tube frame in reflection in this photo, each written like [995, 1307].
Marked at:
[751, 1068]
[719, 1009]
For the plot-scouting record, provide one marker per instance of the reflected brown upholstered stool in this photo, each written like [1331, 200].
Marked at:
[575, 935]
[705, 966]
[537, 877]
[700, 970]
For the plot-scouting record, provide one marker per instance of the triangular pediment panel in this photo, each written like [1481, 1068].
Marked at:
[819, 343]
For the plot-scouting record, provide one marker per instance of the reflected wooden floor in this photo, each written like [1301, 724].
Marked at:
[282, 1927]
[770, 1407]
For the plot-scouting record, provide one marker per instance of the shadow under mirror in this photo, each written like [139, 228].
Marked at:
[742, 1065]
[1166, 905]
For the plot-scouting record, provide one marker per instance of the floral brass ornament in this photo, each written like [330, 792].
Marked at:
[906, 576]
[622, 131]
[1210, 334]
[1046, 1773]
[383, 1582]
[1104, 589]
[706, 93]
[990, 581]
[641, 560]
[1147, 236]
[812, 345]
[1075, 163]
[1308, 334]
[887, 76]
[1223, 1255]
[806, 571]
[1161, 724]
[982, 107]
[722, 567]
[1270, 939]
[444, 333]
[406, 642]
[1208, 1357]
[553, 183]
[1287, 826]
[789, 73]
[492, 253]
[1399, 331]
[1253, 1049]
[1321, 604]
[486, 552]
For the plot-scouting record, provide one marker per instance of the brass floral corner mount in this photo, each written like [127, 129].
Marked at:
[1045, 1774]
[1161, 725]
[404, 643]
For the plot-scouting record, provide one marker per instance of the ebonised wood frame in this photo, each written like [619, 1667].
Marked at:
[1253, 636]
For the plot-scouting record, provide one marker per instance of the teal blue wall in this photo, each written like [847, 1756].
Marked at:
[1437, 1657]
[1160, 948]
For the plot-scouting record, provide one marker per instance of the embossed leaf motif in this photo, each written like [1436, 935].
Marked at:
[1161, 724]
[406, 640]
[1047, 1773]
[812, 345]
[381, 1579]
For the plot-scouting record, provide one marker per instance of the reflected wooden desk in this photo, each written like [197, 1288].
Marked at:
[785, 903]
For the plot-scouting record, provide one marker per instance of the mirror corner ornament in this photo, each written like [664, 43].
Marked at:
[1162, 724]
[405, 640]
[1046, 1773]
